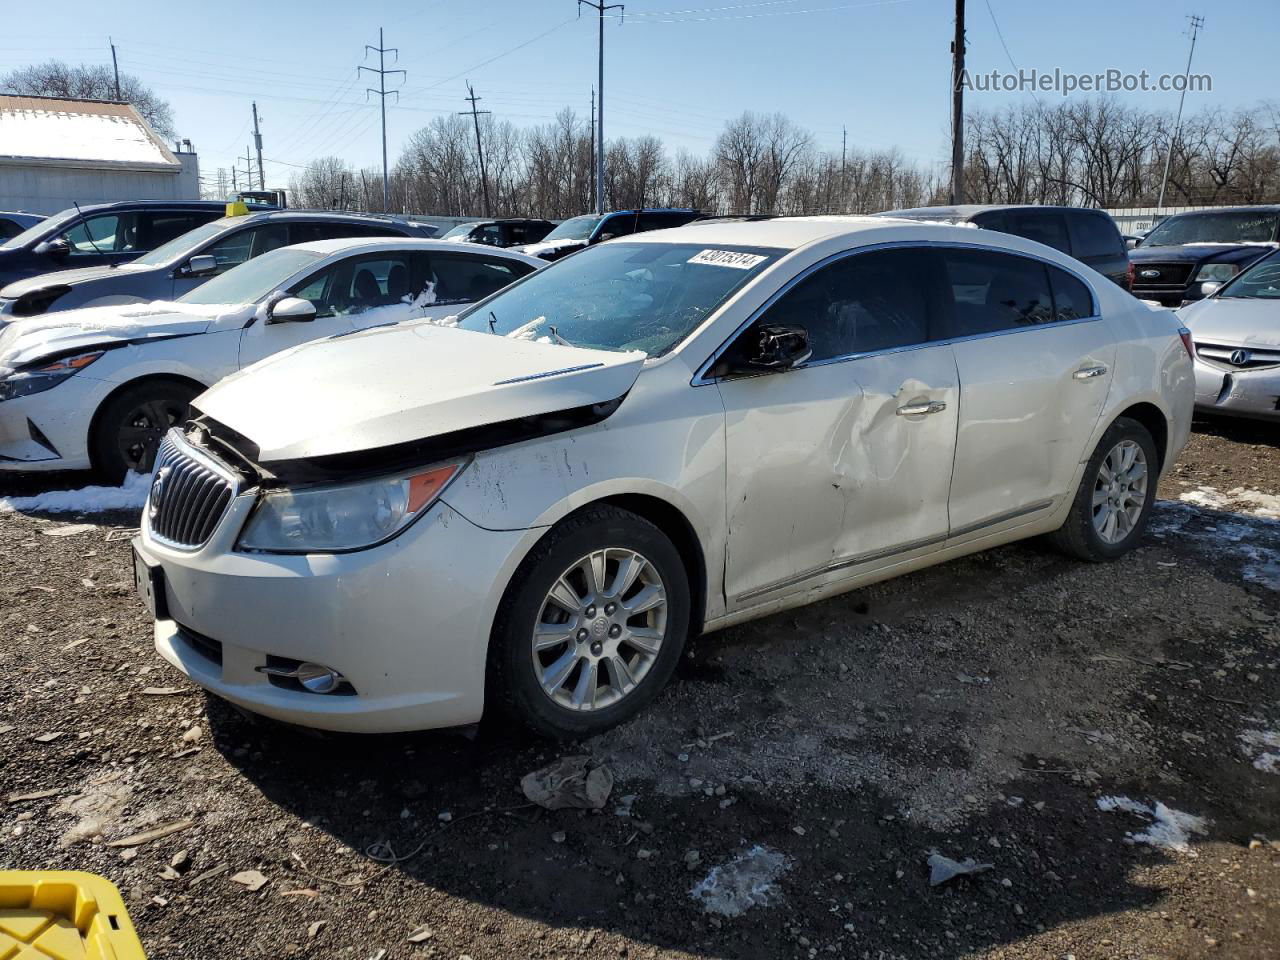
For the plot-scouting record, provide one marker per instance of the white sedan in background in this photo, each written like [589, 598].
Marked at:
[531, 510]
[99, 386]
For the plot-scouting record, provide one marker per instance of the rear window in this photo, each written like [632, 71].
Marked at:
[1094, 236]
[1047, 228]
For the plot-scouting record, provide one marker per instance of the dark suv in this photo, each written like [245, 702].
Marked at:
[510, 232]
[1186, 250]
[578, 232]
[1089, 235]
[102, 233]
[190, 259]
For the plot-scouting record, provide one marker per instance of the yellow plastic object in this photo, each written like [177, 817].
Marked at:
[237, 208]
[63, 915]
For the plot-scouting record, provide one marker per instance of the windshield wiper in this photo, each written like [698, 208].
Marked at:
[555, 335]
[493, 322]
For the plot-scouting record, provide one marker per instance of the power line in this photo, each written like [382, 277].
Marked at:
[475, 118]
[382, 92]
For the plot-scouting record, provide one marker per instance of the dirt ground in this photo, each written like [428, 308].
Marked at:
[1106, 737]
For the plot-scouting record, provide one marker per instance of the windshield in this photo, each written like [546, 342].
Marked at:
[1236, 226]
[253, 279]
[50, 227]
[576, 228]
[620, 296]
[1259, 282]
[181, 244]
[461, 230]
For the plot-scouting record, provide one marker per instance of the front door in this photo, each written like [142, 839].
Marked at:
[842, 464]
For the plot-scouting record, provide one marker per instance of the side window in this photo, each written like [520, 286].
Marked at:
[1047, 228]
[8, 229]
[1095, 236]
[158, 228]
[490, 233]
[468, 279]
[992, 291]
[622, 225]
[233, 250]
[992, 221]
[1071, 298]
[357, 285]
[862, 303]
[109, 233]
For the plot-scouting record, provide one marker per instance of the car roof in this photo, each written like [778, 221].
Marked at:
[357, 244]
[965, 211]
[166, 204]
[787, 233]
[369, 219]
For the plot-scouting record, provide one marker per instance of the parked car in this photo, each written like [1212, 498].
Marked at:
[13, 223]
[186, 261]
[501, 233]
[1089, 235]
[1236, 330]
[102, 233]
[530, 511]
[1186, 250]
[98, 387]
[579, 232]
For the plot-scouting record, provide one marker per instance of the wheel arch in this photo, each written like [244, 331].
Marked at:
[1156, 424]
[120, 388]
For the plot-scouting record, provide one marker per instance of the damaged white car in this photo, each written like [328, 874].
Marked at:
[531, 510]
[98, 387]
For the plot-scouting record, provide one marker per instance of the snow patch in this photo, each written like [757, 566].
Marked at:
[1239, 536]
[1255, 503]
[131, 496]
[748, 880]
[1263, 748]
[1170, 829]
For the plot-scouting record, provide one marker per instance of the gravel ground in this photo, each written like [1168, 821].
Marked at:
[987, 708]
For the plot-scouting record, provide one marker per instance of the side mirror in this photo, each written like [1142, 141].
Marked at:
[603, 237]
[291, 310]
[57, 247]
[200, 266]
[775, 348]
[1209, 288]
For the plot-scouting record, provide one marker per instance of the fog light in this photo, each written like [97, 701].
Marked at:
[318, 678]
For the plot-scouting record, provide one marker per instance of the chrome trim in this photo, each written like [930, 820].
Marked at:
[922, 409]
[1088, 373]
[182, 447]
[859, 559]
[700, 378]
[549, 373]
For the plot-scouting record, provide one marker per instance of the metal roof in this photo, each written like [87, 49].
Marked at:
[53, 131]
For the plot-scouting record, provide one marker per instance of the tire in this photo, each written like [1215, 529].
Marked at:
[597, 632]
[1084, 534]
[142, 412]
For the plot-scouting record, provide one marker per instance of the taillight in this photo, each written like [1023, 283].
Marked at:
[1187, 342]
[1128, 276]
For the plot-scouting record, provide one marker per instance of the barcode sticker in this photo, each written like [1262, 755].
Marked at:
[727, 258]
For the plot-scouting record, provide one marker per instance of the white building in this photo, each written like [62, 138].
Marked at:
[55, 153]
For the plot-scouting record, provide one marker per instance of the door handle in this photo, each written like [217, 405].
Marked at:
[1088, 373]
[921, 409]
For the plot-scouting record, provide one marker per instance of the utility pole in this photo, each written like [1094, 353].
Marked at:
[257, 141]
[844, 152]
[475, 117]
[957, 108]
[382, 93]
[600, 7]
[1196, 24]
[593, 141]
[115, 66]
[248, 169]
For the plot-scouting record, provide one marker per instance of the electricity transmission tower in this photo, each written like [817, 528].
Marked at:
[600, 7]
[1196, 24]
[382, 93]
[475, 117]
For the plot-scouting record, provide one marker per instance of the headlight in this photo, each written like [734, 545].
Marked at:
[1217, 272]
[23, 383]
[349, 516]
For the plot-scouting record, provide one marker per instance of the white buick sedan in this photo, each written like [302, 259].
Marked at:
[531, 507]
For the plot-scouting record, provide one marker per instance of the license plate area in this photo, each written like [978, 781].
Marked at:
[148, 580]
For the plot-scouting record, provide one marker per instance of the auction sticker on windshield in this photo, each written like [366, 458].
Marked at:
[728, 258]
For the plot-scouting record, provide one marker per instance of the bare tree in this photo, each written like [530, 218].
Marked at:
[89, 82]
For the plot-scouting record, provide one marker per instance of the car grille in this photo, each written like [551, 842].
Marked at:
[189, 494]
[1238, 358]
[1168, 274]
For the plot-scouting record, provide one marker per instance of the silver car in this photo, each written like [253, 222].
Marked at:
[1237, 344]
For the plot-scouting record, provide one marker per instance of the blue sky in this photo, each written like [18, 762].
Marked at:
[675, 68]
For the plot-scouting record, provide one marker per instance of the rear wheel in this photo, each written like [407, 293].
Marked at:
[1117, 490]
[132, 423]
[592, 625]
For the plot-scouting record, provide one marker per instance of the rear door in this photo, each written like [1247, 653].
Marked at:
[1034, 361]
[157, 227]
[843, 464]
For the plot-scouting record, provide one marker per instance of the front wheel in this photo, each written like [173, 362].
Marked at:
[592, 625]
[131, 425]
[1115, 496]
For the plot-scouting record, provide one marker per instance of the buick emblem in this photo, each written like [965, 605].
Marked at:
[157, 491]
[1240, 357]
[1149, 274]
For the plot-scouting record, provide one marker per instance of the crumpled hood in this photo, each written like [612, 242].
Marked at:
[68, 278]
[405, 383]
[1235, 323]
[27, 339]
[548, 246]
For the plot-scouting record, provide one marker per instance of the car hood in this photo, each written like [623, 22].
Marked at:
[68, 278]
[1197, 252]
[407, 383]
[28, 339]
[548, 246]
[1235, 323]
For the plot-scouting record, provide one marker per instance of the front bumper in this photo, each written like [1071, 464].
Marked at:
[407, 623]
[1241, 393]
[50, 430]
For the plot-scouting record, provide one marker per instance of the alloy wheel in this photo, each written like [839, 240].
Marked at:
[600, 629]
[143, 428]
[1120, 491]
